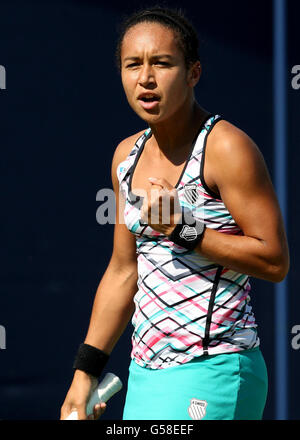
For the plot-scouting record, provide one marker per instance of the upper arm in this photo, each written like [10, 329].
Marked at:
[245, 186]
[124, 243]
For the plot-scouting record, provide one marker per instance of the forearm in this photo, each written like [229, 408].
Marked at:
[112, 309]
[242, 254]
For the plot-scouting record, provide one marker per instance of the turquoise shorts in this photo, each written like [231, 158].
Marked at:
[231, 386]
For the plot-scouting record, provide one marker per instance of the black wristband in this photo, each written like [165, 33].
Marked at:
[90, 359]
[189, 232]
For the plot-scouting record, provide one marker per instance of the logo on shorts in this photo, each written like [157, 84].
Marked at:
[197, 409]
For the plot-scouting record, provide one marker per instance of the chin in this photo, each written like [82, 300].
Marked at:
[152, 118]
[147, 116]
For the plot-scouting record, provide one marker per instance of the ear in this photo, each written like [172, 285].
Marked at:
[194, 74]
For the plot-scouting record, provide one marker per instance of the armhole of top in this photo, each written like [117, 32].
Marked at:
[208, 190]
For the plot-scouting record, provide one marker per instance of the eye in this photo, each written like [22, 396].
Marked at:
[162, 63]
[132, 65]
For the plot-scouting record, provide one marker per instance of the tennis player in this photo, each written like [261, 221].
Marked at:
[183, 278]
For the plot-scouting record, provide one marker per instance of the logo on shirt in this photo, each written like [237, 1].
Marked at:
[197, 409]
[191, 193]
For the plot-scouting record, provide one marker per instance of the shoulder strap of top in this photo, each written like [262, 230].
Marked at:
[125, 166]
[202, 137]
[209, 127]
[211, 122]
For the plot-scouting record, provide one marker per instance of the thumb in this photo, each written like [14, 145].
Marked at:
[99, 409]
[155, 182]
[163, 183]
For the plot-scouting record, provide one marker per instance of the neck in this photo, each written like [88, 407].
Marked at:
[178, 132]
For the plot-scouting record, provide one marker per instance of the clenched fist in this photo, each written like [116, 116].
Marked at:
[161, 208]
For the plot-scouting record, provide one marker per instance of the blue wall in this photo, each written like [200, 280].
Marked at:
[62, 115]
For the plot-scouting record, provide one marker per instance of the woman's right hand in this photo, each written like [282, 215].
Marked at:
[78, 395]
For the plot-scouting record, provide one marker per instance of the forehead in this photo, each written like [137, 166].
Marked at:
[150, 37]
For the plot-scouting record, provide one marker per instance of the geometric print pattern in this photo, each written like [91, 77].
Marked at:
[185, 305]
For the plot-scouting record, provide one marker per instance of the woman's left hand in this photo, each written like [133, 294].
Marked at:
[161, 208]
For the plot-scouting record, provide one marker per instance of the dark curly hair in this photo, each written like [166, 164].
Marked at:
[174, 19]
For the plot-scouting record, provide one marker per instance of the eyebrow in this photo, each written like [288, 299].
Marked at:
[154, 57]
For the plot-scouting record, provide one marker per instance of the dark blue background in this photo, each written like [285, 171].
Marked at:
[62, 116]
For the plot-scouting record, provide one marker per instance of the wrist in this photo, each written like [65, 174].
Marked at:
[84, 376]
[90, 360]
[188, 232]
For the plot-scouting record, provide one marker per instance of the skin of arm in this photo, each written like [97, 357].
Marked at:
[241, 176]
[246, 189]
[113, 304]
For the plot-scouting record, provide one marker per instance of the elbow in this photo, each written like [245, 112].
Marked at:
[278, 272]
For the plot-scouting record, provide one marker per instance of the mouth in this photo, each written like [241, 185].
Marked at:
[148, 100]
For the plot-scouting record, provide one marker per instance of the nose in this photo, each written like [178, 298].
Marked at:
[146, 76]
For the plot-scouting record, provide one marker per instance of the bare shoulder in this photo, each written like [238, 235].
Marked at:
[125, 146]
[227, 138]
[231, 152]
[121, 152]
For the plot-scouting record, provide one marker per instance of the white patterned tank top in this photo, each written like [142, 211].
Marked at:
[185, 305]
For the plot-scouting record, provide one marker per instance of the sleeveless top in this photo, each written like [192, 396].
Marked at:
[185, 305]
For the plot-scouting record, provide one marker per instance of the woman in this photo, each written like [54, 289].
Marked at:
[195, 351]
